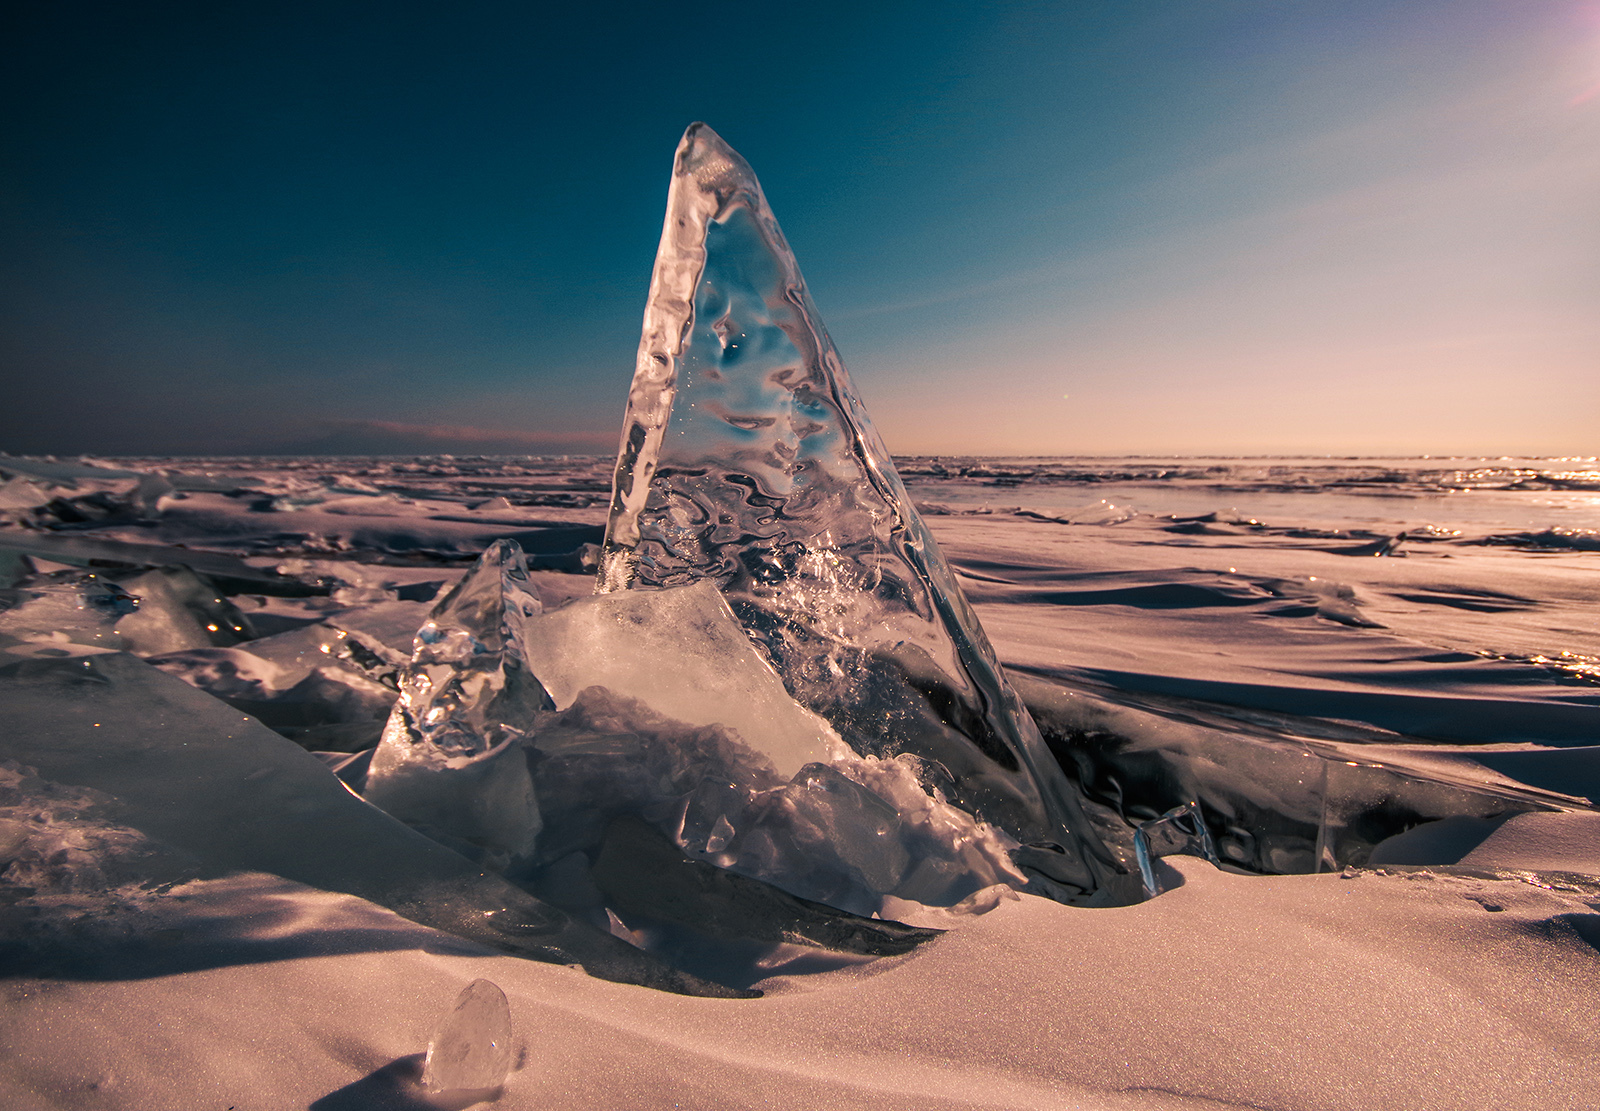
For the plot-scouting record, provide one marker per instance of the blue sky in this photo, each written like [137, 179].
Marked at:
[1240, 226]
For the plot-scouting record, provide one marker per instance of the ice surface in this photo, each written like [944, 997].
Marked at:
[471, 1049]
[449, 762]
[333, 705]
[748, 460]
[185, 770]
[1391, 980]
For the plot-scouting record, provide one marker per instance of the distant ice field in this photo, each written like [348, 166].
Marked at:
[1471, 494]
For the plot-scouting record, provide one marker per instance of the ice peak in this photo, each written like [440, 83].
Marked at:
[748, 459]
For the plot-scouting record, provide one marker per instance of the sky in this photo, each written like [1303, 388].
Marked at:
[1141, 226]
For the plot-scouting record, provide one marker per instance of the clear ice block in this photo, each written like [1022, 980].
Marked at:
[450, 762]
[471, 1048]
[748, 460]
[179, 611]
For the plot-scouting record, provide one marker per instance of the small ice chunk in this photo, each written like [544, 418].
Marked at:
[71, 608]
[1101, 512]
[1181, 830]
[179, 611]
[859, 826]
[471, 1047]
[720, 835]
[449, 762]
[19, 493]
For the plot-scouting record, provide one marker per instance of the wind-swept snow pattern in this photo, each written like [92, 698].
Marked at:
[747, 459]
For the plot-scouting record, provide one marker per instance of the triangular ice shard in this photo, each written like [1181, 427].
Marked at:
[748, 459]
[450, 762]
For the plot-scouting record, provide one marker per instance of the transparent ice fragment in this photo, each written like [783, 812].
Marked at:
[682, 653]
[1101, 512]
[1181, 830]
[178, 611]
[748, 461]
[863, 829]
[468, 689]
[66, 612]
[19, 493]
[1345, 788]
[471, 1048]
[849, 834]
[450, 761]
[721, 833]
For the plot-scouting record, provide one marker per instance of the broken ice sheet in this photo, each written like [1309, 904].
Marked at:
[471, 1048]
[66, 613]
[183, 769]
[748, 460]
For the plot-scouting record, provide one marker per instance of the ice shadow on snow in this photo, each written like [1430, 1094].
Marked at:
[1562, 928]
[397, 1086]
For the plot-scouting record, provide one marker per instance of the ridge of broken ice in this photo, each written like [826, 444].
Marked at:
[658, 709]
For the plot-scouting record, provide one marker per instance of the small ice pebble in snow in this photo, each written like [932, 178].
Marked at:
[471, 1046]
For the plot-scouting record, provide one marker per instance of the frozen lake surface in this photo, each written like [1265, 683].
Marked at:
[1326, 708]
